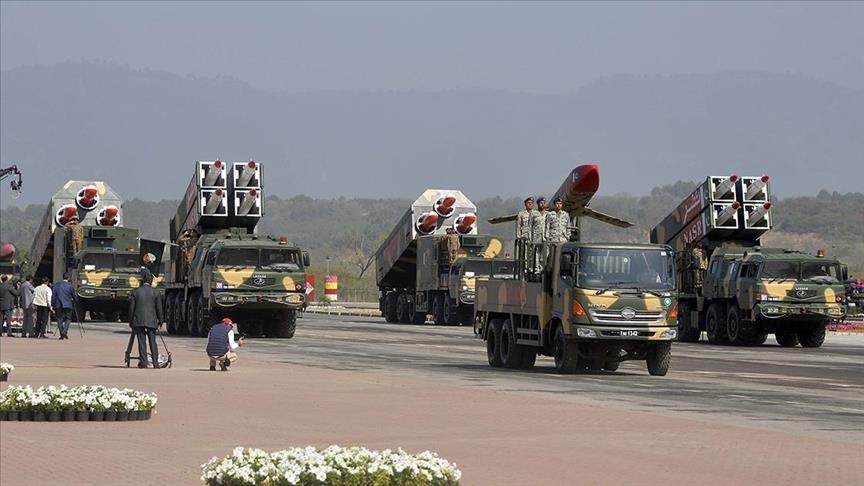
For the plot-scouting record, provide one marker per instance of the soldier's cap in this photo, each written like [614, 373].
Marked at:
[541, 199]
[528, 199]
[557, 200]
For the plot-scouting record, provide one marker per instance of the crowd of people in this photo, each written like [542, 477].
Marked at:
[37, 304]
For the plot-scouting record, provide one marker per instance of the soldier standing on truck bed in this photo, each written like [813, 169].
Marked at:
[523, 220]
[452, 244]
[557, 223]
[538, 235]
[76, 235]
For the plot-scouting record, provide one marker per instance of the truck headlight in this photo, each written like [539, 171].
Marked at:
[585, 332]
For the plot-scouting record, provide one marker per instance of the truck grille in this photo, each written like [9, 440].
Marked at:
[627, 316]
[801, 293]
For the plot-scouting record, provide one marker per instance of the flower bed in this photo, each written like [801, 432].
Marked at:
[5, 369]
[332, 466]
[81, 403]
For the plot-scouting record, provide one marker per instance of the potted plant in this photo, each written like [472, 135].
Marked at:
[5, 369]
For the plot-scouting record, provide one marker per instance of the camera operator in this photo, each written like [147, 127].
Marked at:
[221, 344]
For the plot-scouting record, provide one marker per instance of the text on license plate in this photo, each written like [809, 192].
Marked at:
[630, 333]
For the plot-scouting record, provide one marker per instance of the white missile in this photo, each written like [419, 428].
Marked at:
[756, 186]
[247, 174]
[724, 186]
[65, 214]
[249, 200]
[758, 214]
[727, 213]
[444, 205]
[88, 197]
[465, 223]
[108, 216]
[427, 222]
[213, 173]
[213, 202]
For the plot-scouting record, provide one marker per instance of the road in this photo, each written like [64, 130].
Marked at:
[815, 392]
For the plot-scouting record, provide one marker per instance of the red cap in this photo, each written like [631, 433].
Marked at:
[228, 321]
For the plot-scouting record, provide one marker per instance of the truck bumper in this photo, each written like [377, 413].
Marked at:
[104, 298]
[623, 333]
[264, 300]
[814, 312]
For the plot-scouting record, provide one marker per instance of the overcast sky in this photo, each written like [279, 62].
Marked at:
[532, 47]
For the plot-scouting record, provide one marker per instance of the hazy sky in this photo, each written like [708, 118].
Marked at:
[534, 47]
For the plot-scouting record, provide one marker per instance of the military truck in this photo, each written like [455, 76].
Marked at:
[220, 267]
[732, 288]
[82, 234]
[591, 306]
[415, 273]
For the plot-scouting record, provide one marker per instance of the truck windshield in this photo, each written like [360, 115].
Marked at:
[816, 271]
[276, 259]
[126, 263]
[607, 268]
[487, 268]
[97, 261]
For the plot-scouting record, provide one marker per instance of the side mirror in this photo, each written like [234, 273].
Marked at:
[306, 260]
[566, 264]
[844, 273]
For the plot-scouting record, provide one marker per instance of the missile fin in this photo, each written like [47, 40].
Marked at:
[583, 211]
[503, 219]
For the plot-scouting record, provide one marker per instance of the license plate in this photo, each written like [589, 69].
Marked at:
[630, 333]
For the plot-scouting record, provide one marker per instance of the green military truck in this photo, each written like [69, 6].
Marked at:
[82, 234]
[733, 289]
[220, 267]
[415, 273]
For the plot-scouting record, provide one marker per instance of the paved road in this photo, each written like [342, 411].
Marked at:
[817, 392]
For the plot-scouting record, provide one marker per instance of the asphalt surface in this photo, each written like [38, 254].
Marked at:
[816, 392]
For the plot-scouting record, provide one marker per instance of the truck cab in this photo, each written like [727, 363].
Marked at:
[592, 307]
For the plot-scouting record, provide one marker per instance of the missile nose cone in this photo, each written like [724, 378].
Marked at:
[217, 163]
[251, 164]
[444, 205]
[585, 178]
[764, 178]
[465, 223]
[426, 223]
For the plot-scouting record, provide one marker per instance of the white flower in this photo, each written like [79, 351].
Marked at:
[6, 368]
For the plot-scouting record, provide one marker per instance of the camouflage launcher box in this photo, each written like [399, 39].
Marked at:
[721, 208]
[221, 195]
[432, 213]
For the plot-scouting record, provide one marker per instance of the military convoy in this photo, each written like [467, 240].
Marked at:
[591, 306]
[220, 267]
[82, 234]
[416, 272]
[732, 288]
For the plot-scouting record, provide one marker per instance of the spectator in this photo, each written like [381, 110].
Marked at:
[221, 345]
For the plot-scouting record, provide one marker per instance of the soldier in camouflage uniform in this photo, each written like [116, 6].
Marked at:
[538, 235]
[523, 220]
[557, 223]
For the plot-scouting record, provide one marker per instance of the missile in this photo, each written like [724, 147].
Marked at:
[108, 216]
[725, 186]
[444, 205]
[727, 213]
[465, 223]
[427, 222]
[756, 186]
[249, 200]
[66, 213]
[213, 202]
[247, 174]
[758, 214]
[88, 197]
[213, 173]
[7, 252]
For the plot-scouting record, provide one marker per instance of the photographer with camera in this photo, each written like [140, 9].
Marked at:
[221, 345]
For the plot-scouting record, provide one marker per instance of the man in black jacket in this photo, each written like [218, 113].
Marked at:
[8, 293]
[145, 314]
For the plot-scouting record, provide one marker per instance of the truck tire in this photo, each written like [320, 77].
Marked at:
[493, 353]
[417, 317]
[812, 337]
[687, 332]
[735, 331]
[611, 365]
[438, 309]
[169, 314]
[402, 308]
[390, 307]
[787, 339]
[566, 354]
[192, 312]
[714, 324]
[451, 317]
[659, 358]
[529, 356]
[759, 338]
[203, 319]
[511, 353]
[287, 325]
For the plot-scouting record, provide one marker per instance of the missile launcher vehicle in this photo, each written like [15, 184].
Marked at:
[418, 274]
[732, 288]
[220, 267]
[82, 234]
[588, 305]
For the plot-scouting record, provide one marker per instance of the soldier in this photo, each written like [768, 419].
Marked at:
[452, 244]
[538, 235]
[523, 220]
[557, 223]
[76, 235]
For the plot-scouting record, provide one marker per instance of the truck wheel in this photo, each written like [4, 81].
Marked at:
[687, 332]
[529, 356]
[180, 314]
[402, 308]
[611, 365]
[493, 354]
[451, 318]
[735, 332]
[203, 316]
[511, 353]
[192, 314]
[787, 339]
[390, 307]
[812, 337]
[438, 309]
[417, 317]
[759, 338]
[287, 325]
[714, 321]
[659, 358]
[594, 364]
[566, 354]
[169, 314]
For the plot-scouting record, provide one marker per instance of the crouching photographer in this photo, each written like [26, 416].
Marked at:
[221, 345]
